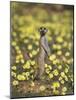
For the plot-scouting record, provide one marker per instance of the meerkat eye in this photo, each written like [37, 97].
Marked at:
[42, 28]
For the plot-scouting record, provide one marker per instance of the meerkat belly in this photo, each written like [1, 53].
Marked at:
[41, 57]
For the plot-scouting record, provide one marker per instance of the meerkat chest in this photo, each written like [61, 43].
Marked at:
[41, 54]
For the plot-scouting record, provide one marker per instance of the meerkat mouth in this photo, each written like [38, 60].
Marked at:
[42, 33]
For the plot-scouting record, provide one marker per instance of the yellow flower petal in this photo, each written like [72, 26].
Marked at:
[50, 75]
[55, 72]
[21, 77]
[64, 89]
[62, 74]
[59, 52]
[15, 82]
[59, 39]
[42, 88]
[56, 85]
[62, 81]
[52, 57]
[13, 67]
[29, 47]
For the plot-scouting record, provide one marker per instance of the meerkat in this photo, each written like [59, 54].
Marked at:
[44, 51]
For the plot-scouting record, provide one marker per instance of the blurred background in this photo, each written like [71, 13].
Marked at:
[26, 18]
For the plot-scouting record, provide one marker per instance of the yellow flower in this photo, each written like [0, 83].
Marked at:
[59, 67]
[58, 47]
[26, 41]
[29, 47]
[66, 78]
[13, 67]
[37, 43]
[32, 62]
[55, 72]
[42, 88]
[21, 56]
[21, 77]
[22, 61]
[47, 71]
[34, 52]
[13, 43]
[66, 70]
[56, 85]
[60, 78]
[46, 65]
[13, 74]
[32, 84]
[63, 93]
[54, 46]
[64, 59]
[19, 51]
[59, 52]
[52, 57]
[50, 67]
[50, 75]
[65, 44]
[17, 61]
[24, 73]
[17, 48]
[17, 57]
[62, 74]
[15, 82]
[55, 61]
[70, 44]
[26, 65]
[14, 34]
[56, 92]
[32, 76]
[30, 54]
[62, 81]
[68, 61]
[59, 39]
[27, 74]
[67, 54]
[31, 71]
[64, 89]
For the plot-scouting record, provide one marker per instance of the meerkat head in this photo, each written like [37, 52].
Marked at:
[42, 31]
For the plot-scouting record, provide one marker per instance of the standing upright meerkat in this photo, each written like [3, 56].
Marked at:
[44, 51]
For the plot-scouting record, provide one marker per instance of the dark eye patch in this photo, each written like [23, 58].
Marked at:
[42, 29]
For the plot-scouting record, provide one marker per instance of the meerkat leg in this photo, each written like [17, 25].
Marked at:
[36, 73]
[41, 69]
